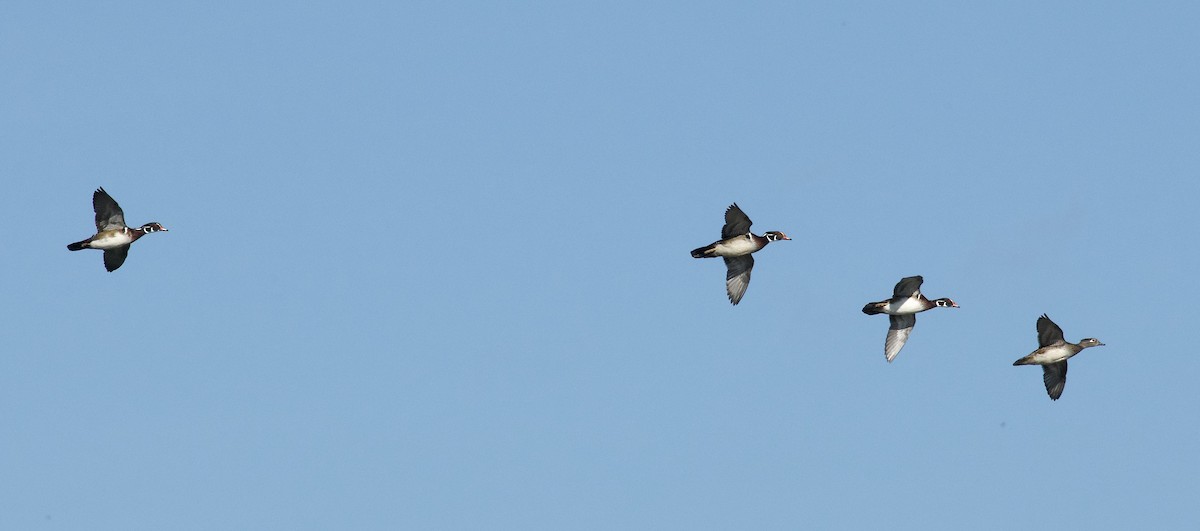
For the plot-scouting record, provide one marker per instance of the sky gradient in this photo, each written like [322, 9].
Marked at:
[428, 265]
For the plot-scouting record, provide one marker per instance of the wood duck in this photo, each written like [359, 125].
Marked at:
[735, 246]
[902, 310]
[112, 236]
[1052, 354]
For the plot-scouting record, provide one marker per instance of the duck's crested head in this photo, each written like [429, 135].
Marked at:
[774, 235]
[1090, 342]
[153, 226]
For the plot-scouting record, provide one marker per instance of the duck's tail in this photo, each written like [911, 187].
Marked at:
[704, 252]
[874, 308]
[77, 246]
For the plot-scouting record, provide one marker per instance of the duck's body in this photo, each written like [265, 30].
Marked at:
[735, 246]
[903, 306]
[740, 245]
[112, 236]
[109, 239]
[906, 302]
[1052, 354]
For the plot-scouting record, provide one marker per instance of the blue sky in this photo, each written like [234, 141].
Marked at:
[428, 265]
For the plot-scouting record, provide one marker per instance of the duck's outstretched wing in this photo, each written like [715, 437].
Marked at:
[902, 326]
[737, 276]
[737, 222]
[1055, 377]
[108, 212]
[1049, 333]
[907, 287]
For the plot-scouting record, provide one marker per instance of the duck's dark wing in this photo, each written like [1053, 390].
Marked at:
[113, 258]
[736, 222]
[902, 326]
[1055, 377]
[737, 276]
[1049, 333]
[108, 212]
[907, 287]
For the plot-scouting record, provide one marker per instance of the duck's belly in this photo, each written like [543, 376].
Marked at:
[739, 246]
[909, 306]
[110, 241]
[1050, 355]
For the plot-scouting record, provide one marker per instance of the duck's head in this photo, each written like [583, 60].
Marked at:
[153, 226]
[774, 235]
[1091, 342]
[945, 303]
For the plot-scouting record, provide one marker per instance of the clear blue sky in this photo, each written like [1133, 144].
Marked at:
[428, 265]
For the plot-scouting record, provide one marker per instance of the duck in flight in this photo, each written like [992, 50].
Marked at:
[1052, 353]
[735, 246]
[112, 236]
[902, 309]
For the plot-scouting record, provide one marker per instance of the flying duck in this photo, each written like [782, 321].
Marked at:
[112, 236]
[735, 246]
[902, 310]
[1052, 354]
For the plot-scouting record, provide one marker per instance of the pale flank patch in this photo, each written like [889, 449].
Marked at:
[738, 247]
[910, 305]
[1051, 355]
[111, 240]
